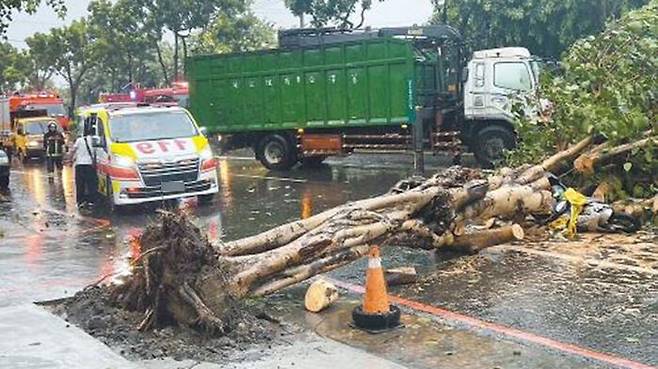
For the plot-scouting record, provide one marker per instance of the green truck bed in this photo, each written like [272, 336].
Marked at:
[355, 84]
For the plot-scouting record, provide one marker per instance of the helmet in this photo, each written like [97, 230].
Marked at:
[52, 126]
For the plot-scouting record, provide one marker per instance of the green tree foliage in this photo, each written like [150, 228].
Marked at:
[227, 34]
[12, 72]
[182, 17]
[331, 12]
[546, 27]
[70, 50]
[9, 7]
[123, 41]
[122, 48]
[609, 85]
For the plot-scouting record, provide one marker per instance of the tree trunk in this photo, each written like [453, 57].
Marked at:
[587, 163]
[165, 74]
[175, 56]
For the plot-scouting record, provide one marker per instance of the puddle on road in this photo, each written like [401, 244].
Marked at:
[422, 342]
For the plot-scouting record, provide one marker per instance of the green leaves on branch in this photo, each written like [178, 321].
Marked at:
[9, 7]
[331, 12]
[546, 27]
[609, 86]
[227, 34]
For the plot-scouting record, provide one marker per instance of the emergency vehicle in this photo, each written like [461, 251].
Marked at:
[149, 153]
[178, 93]
[50, 103]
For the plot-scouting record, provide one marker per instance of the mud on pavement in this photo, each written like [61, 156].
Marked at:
[94, 311]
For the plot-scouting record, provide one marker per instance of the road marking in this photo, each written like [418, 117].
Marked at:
[576, 259]
[501, 329]
[283, 179]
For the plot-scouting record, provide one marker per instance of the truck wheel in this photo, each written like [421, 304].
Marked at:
[276, 153]
[206, 199]
[4, 182]
[491, 144]
[313, 161]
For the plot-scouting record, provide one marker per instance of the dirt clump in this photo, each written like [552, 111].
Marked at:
[95, 311]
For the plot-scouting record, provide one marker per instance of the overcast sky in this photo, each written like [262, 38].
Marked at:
[388, 13]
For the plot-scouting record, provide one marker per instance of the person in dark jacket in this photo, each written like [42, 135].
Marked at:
[53, 144]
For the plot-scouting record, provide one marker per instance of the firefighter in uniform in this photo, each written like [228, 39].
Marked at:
[53, 144]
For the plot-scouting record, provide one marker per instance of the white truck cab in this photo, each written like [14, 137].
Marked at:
[496, 80]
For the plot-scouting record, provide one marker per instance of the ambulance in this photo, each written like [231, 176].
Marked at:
[149, 153]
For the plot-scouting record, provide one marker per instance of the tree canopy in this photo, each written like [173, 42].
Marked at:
[609, 86]
[9, 7]
[331, 12]
[226, 34]
[126, 41]
[546, 27]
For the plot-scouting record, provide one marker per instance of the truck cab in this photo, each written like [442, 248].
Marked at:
[145, 154]
[497, 79]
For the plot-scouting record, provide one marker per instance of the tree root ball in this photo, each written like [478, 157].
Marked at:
[178, 280]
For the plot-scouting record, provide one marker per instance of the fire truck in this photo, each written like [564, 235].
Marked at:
[17, 105]
[176, 94]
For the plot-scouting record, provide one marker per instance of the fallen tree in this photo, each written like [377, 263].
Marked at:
[181, 278]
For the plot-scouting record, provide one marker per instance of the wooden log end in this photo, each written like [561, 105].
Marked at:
[320, 295]
[517, 232]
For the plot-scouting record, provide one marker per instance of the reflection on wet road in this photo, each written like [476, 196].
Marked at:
[48, 242]
[603, 297]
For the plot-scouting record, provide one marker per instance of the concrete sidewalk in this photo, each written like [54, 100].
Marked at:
[307, 351]
[30, 337]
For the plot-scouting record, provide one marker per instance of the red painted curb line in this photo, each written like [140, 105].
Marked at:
[501, 329]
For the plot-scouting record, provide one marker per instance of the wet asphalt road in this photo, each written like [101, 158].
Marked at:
[48, 249]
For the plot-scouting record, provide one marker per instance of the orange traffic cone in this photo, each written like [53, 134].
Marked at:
[375, 300]
[376, 314]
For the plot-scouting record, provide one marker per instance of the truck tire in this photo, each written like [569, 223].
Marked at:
[109, 192]
[276, 152]
[491, 143]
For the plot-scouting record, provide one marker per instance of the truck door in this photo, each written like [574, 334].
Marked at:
[512, 83]
[475, 95]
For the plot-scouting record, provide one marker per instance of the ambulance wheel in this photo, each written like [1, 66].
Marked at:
[276, 152]
[206, 199]
[111, 206]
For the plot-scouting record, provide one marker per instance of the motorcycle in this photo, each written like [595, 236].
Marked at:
[591, 214]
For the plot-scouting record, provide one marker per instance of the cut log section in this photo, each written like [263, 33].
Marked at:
[400, 276]
[320, 295]
[472, 243]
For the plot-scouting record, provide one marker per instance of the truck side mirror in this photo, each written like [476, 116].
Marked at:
[465, 75]
[203, 131]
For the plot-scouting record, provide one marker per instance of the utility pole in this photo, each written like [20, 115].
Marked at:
[301, 21]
